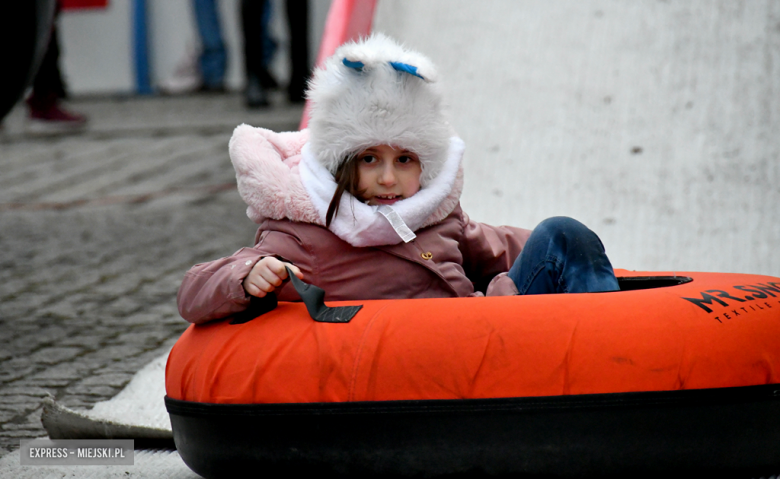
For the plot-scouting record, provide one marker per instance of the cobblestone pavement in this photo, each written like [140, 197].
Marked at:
[96, 231]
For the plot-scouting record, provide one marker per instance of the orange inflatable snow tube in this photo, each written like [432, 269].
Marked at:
[659, 339]
[717, 331]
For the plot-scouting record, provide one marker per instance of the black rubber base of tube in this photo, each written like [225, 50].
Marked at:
[728, 431]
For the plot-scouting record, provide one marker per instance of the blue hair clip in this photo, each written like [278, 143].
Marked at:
[354, 65]
[403, 67]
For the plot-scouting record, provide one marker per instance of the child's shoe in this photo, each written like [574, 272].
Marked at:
[186, 77]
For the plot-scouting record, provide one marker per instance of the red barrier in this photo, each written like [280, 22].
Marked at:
[81, 4]
[347, 20]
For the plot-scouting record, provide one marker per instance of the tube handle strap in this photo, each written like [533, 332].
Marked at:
[314, 299]
[312, 296]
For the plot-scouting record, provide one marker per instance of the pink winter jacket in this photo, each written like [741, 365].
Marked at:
[452, 257]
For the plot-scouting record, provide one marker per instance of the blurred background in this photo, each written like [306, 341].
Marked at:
[654, 122]
[99, 43]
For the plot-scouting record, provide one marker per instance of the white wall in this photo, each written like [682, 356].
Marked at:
[97, 50]
[657, 123]
[98, 44]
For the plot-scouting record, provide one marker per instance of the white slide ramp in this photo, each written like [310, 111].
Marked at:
[656, 123]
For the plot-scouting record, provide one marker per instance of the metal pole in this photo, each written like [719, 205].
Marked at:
[141, 48]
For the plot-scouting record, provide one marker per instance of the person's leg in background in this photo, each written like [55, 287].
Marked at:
[213, 56]
[48, 88]
[253, 29]
[298, 20]
[563, 256]
[269, 50]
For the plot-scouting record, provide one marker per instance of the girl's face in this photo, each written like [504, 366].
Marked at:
[387, 174]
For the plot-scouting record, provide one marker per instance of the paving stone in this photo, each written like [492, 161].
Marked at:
[175, 321]
[93, 390]
[80, 306]
[120, 307]
[79, 401]
[115, 352]
[165, 309]
[25, 344]
[86, 339]
[23, 391]
[30, 298]
[50, 334]
[6, 416]
[133, 364]
[66, 371]
[113, 380]
[31, 433]
[10, 408]
[60, 309]
[49, 382]
[155, 332]
[31, 421]
[14, 309]
[9, 289]
[89, 362]
[55, 355]
[9, 373]
[139, 337]
[140, 318]
[19, 399]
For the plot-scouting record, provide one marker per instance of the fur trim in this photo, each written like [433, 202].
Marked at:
[266, 165]
[268, 171]
[373, 103]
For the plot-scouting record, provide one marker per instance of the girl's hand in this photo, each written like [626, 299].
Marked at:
[266, 275]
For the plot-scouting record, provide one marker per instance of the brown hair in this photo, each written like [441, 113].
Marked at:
[347, 178]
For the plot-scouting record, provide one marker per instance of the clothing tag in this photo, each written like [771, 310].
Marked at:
[397, 223]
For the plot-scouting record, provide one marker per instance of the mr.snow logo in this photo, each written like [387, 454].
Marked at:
[759, 297]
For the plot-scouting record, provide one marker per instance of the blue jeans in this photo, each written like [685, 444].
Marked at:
[213, 57]
[563, 256]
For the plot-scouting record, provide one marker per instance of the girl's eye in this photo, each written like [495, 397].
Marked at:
[367, 159]
[405, 159]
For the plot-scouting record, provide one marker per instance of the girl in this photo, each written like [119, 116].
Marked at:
[365, 203]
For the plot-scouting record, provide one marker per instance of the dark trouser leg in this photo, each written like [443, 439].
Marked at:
[563, 256]
[253, 30]
[213, 58]
[298, 20]
[252, 27]
[48, 86]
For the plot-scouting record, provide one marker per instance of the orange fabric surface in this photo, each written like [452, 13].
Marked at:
[454, 348]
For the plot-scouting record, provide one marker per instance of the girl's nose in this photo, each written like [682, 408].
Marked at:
[387, 177]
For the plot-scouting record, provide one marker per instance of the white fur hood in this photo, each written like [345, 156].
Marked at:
[279, 178]
[375, 91]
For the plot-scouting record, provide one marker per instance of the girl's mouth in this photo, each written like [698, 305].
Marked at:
[386, 199]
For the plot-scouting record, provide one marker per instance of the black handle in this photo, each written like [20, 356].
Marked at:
[314, 299]
[312, 296]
